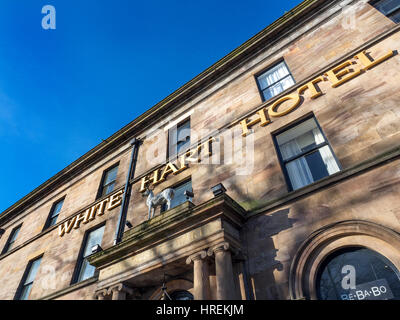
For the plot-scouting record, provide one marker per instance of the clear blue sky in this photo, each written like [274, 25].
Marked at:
[62, 91]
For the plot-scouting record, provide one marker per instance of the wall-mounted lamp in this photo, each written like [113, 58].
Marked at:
[96, 248]
[129, 225]
[218, 189]
[189, 195]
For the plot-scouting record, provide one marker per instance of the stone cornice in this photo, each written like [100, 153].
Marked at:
[210, 75]
[183, 218]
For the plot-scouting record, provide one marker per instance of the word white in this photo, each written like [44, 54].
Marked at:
[49, 20]
[90, 214]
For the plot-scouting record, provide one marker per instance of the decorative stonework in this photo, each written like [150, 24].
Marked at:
[197, 256]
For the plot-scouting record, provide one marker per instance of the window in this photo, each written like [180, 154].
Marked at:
[179, 196]
[390, 8]
[179, 138]
[11, 239]
[305, 154]
[108, 181]
[84, 269]
[27, 280]
[275, 80]
[54, 212]
[374, 277]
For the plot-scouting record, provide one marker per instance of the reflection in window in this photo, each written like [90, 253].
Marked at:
[179, 196]
[109, 180]
[390, 8]
[55, 211]
[275, 80]
[86, 270]
[179, 138]
[27, 281]
[306, 155]
[11, 240]
[375, 277]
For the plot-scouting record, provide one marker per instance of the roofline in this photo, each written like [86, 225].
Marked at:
[189, 89]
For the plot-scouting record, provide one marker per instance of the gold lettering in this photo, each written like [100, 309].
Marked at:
[262, 118]
[79, 218]
[145, 181]
[66, 227]
[169, 168]
[101, 206]
[115, 200]
[90, 214]
[191, 153]
[296, 102]
[342, 74]
[315, 93]
[368, 63]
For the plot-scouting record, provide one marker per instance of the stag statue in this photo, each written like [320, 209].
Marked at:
[153, 201]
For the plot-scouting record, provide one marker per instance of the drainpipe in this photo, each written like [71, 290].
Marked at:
[125, 200]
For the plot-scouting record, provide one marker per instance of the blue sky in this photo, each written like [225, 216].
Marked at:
[62, 91]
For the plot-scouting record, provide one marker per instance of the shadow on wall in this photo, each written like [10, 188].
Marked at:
[263, 267]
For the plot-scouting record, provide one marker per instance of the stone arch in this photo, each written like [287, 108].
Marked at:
[322, 243]
[173, 285]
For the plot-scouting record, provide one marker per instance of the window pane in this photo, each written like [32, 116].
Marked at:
[108, 189]
[277, 88]
[299, 139]
[317, 166]
[273, 75]
[26, 290]
[396, 17]
[53, 221]
[93, 238]
[33, 270]
[387, 6]
[275, 80]
[179, 196]
[111, 176]
[306, 155]
[15, 234]
[11, 240]
[57, 208]
[179, 138]
[87, 271]
[371, 270]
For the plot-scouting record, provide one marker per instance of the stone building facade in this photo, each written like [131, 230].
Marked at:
[284, 162]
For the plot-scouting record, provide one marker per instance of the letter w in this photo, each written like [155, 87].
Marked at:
[66, 226]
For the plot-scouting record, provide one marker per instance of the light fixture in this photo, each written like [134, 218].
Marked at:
[96, 248]
[165, 295]
[218, 190]
[188, 194]
[129, 225]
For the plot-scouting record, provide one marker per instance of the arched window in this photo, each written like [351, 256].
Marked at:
[357, 274]
[181, 295]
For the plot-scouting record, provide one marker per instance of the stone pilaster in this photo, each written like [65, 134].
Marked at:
[200, 274]
[224, 271]
[101, 294]
[120, 291]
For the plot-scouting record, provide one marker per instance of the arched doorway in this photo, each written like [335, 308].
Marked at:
[357, 273]
[348, 242]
